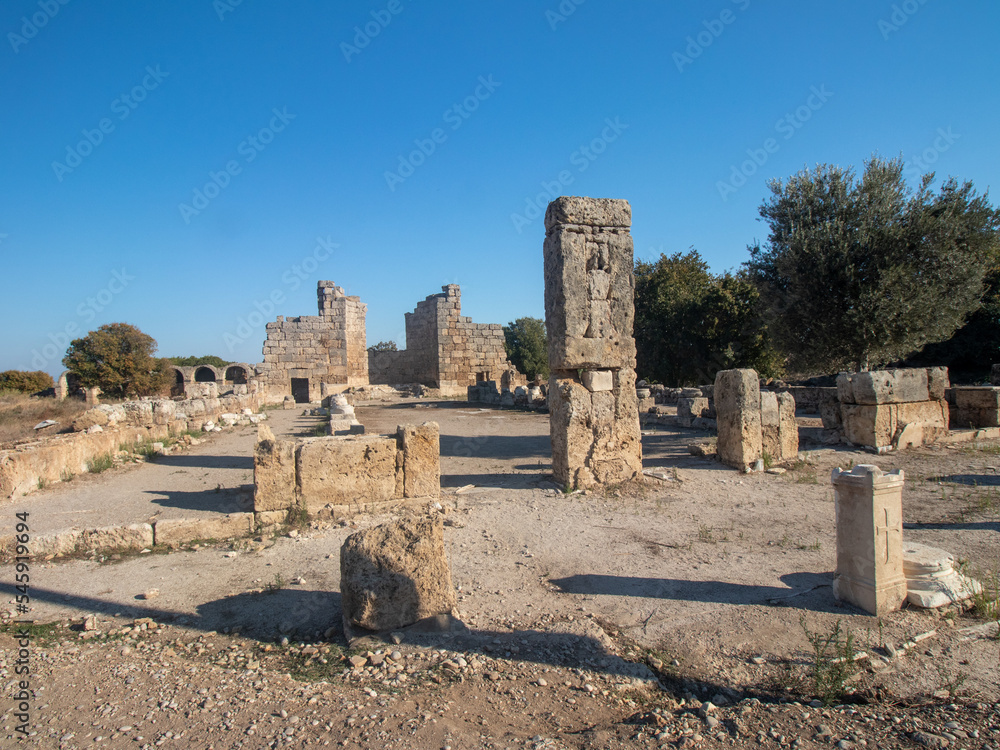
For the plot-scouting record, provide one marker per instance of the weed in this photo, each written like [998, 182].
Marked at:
[808, 478]
[276, 585]
[41, 483]
[42, 634]
[100, 463]
[66, 475]
[951, 683]
[833, 661]
[767, 459]
[986, 601]
[814, 547]
[298, 517]
[705, 534]
[320, 430]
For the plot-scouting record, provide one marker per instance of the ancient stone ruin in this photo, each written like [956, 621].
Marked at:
[589, 287]
[395, 574]
[869, 511]
[444, 349]
[302, 354]
[752, 424]
[327, 475]
[889, 409]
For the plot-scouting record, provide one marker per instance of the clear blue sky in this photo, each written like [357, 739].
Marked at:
[313, 129]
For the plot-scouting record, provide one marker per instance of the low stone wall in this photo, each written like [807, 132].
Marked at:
[887, 409]
[974, 406]
[753, 425]
[107, 429]
[313, 475]
[531, 396]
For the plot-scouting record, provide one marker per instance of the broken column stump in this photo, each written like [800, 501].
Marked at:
[589, 310]
[738, 419]
[869, 509]
[395, 574]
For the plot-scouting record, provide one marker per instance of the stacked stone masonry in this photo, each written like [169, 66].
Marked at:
[753, 424]
[301, 354]
[887, 409]
[445, 349]
[323, 475]
[589, 289]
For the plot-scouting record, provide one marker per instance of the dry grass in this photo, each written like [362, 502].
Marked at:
[20, 413]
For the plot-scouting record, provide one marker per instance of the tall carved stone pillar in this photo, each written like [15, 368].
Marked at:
[589, 310]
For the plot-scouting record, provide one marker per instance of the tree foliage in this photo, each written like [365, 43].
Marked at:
[383, 346]
[526, 343]
[118, 358]
[208, 359]
[25, 382]
[690, 323]
[862, 272]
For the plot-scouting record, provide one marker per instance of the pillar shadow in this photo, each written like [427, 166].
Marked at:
[225, 500]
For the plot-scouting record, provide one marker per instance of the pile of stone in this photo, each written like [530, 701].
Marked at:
[891, 409]
[931, 578]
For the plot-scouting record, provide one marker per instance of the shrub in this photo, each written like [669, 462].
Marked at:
[25, 382]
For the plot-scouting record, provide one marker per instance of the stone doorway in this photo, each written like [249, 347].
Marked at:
[300, 390]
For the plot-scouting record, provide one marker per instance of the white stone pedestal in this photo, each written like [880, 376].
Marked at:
[869, 507]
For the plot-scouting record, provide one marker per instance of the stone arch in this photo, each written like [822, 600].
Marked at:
[180, 378]
[238, 373]
[206, 374]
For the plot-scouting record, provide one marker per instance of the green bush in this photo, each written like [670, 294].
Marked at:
[25, 382]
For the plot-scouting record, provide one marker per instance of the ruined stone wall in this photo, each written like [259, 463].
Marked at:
[589, 288]
[326, 348]
[444, 349]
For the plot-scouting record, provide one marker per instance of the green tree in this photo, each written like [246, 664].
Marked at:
[25, 382]
[383, 346]
[690, 323]
[118, 358]
[527, 346]
[862, 272]
[208, 359]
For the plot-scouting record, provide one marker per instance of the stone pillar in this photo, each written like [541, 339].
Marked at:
[737, 414]
[93, 396]
[62, 387]
[589, 288]
[869, 506]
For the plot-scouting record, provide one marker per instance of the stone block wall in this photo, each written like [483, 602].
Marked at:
[326, 348]
[751, 422]
[887, 409]
[321, 475]
[444, 349]
[589, 289]
[974, 406]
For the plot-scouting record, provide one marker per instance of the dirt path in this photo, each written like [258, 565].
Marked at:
[704, 583]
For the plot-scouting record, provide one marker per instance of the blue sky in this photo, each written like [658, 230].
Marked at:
[180, 166]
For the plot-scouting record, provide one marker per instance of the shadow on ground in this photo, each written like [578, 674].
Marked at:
[188, 461]
[224, 500]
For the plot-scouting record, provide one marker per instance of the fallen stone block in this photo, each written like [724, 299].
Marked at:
[395, 574]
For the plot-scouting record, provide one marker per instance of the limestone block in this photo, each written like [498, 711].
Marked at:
[931, 579]
[595, 212]
[932, 416]
[345, 470]
[164, 411]
[845, 388]
[937, 382]
[737, 406]
[869, 517]
[871, 425]
[421, 451]
[133, 536]
[770, 426]
[692, 408]
[90, 418]
[138, 412]
[598, 380]
[176, 531]
[889, 386]
[788, 428]
[570, 410]
[395, 574]
[273, 472]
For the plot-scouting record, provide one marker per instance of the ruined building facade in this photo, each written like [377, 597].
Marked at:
[304, 352]
[445, 349]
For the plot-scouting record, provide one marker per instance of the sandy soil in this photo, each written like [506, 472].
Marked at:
[657, 596]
